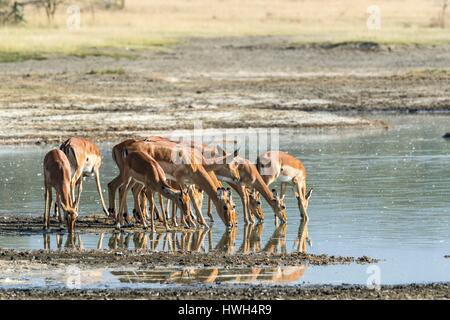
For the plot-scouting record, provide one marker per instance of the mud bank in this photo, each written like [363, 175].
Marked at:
[249, 82]
[412, 291]
[96, 224]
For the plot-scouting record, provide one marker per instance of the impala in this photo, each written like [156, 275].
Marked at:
[57, 176]
[143, 169]
[186, 166]
[117, 154]
[251, 180]
[85, 160]
[274, 165]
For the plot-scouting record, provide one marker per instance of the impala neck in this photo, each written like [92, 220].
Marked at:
[170, 193]
[65, 196]
[263, 189]
[209, 185]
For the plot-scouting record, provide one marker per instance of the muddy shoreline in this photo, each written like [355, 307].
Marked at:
[433, 291]
[120, 257]
[248, 82]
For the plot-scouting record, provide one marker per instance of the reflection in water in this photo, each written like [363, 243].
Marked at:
[200, 240]
[73, 241]
[192, 275]
[303, 239]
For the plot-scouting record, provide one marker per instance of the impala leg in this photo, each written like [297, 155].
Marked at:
[245, 202]
[136, 190]
[198, 210]
[165, 216]
[209, 212]
[282, 189]
[112, 188]
[58, 210]
[80, 188]
[76, 182]
[55, 214]
[140, 211]
[123, 196]
[151, 205]
[47, 198]
[143, 201]
[301, 199]
[100, 192]
[149, 194]
[161, 204]
[167, 208]
[174, 214]
[123, 211]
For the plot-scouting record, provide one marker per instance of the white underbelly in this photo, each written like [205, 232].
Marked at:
[283, 178]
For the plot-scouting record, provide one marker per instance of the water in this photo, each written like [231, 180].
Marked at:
[384, 194]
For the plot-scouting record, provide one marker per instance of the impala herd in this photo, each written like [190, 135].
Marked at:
[181, 172]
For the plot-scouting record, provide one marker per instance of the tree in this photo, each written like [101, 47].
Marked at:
[11, 12]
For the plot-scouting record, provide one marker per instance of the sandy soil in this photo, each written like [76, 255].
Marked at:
[225, 83]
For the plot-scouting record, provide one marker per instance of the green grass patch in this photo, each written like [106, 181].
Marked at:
[102, 52]
[6, 56]
[119, 71]
[427, 73]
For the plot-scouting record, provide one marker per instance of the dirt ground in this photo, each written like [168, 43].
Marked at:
[413, 291]
[224, 83]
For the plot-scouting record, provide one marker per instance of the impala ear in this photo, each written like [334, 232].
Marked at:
[308, 195]
[282, 198]
[220, 151]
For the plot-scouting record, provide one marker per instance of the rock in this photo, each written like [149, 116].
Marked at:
[446, 136]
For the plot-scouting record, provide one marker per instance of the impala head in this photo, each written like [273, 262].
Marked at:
[303, 202]
[231, 162]
[71, 216]
[255, 205]
[233, 166]
[182, 200]
[279, 206]
[227, 207]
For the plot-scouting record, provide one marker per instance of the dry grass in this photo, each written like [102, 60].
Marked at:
[146, 24]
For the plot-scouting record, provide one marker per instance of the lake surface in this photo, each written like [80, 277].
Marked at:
[380, 193]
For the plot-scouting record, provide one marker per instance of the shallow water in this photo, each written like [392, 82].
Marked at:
[384, 194]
